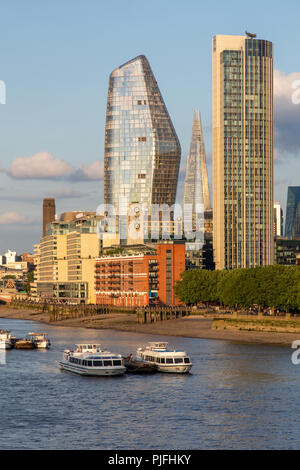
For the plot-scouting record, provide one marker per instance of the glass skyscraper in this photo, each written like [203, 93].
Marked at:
[142, 151]
[243, 217]
[196, 190]
[196, 201]
[292, 219]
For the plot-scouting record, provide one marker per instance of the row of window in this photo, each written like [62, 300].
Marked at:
[88, 363]
[167, 360]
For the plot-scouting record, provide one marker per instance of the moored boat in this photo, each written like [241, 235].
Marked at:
[166, 360]
[24, 344]
[91, 360]
[5, 339]
[40, 340]
[137, 366]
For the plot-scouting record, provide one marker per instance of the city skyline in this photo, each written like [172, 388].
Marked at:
[53, 120]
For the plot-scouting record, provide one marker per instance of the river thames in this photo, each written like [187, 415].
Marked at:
[238, 396]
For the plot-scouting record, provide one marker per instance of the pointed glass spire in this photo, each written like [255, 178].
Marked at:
[196, 189]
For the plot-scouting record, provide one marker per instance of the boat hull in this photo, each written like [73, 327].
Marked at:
[43, 345]
[24, 345]
[174, 369]
[5, 345]
[139, 367]
[88, 371]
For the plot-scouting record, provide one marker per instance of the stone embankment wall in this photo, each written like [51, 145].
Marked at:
[280, 325]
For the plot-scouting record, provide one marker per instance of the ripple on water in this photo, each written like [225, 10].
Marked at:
[238, 396]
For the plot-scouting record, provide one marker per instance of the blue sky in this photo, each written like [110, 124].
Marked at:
[56, 57]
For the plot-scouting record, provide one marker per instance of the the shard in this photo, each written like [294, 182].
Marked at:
[196, 189]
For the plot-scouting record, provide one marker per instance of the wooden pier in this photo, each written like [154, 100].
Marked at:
[155, 314]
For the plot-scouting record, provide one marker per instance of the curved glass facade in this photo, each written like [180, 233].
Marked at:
[142, 151]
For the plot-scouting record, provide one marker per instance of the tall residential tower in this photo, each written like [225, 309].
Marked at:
[243, 217]
[142, 151]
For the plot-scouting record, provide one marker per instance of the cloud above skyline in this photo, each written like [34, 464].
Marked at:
[43, 166]
[286, 114]
[14, 218]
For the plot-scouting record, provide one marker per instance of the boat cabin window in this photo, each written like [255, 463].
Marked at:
[90, 363]
[178, 360]
[97, 363]
[117, 362]
[107, 363]
[90, 346]
[187, 360]
[162, 360]
[169, 360]
[158, 360]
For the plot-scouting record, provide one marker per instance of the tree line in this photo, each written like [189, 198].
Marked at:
[276, 287]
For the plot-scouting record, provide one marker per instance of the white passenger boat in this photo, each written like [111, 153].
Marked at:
[40, 340]
[5, 339]
[166, 360]
[89, 359]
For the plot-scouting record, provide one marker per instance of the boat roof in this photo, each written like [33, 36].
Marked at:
[161, 347]
[38, 334]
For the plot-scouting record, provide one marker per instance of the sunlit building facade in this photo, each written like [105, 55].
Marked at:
[243, 211]
[142, 151]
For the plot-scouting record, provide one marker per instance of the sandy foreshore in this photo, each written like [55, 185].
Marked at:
[191, 327]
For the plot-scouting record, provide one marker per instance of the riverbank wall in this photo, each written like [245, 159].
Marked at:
[286, 324]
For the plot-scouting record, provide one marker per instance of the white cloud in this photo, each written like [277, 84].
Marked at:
[283, 84]
[286, 114]
[41, 165]
[13, 218]
[94, 171]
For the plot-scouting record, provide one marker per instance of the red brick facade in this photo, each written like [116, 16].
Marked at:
[171, 262]
[130, 280]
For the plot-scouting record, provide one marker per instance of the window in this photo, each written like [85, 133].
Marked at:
[178, 360]
[107, 363]
[162, 360]
[117, 363]
[97, 363]
[169, 360]
[187, 360]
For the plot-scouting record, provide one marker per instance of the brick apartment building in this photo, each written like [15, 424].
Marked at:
[139, 279]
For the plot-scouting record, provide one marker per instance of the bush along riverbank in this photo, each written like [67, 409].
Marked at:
[271, 287]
